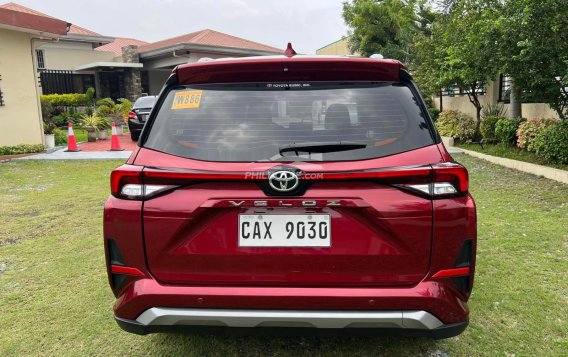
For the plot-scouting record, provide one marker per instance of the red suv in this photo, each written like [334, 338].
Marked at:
[303, 193]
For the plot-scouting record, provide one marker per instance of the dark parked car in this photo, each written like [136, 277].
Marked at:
[295, 192]
[139, 114]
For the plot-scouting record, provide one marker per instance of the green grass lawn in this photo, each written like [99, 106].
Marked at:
[510, 152]
[55, 300]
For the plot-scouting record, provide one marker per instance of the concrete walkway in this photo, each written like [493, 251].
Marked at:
[103, 145]
[539, 170]
[61, 154]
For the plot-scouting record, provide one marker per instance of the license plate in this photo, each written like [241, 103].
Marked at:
[284, 230]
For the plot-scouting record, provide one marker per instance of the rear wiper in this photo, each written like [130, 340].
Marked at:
[322, 147]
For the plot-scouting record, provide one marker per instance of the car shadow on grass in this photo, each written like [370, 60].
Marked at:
[270, 345]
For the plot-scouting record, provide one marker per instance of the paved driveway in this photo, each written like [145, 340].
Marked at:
[103, 145]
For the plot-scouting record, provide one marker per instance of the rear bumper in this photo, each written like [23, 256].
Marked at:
[430, 308]
[414, 323]
[135, 125]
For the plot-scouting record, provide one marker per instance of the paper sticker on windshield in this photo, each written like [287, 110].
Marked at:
[187, 99]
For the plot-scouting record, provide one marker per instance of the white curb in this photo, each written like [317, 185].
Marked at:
[539, 170]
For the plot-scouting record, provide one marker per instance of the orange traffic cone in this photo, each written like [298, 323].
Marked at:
[71, 142]
[114, 143]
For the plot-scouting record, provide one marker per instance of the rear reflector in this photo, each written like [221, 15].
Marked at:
[450, 273]
[124, 270]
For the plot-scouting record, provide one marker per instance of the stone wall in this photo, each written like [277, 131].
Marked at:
[132, 79]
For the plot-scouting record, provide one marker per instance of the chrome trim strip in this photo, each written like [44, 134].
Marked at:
[289, 318]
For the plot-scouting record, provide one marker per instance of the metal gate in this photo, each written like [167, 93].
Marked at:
[53, 81]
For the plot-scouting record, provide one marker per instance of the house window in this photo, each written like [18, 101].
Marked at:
[40, 59]
[504, 88]
[505, 92]
[455, 90]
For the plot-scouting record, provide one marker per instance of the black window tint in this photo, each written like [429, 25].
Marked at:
[251, 122]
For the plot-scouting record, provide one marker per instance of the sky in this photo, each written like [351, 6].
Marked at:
[308, 24]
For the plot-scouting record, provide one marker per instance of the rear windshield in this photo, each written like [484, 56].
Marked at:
[263, 121]
[145, 102]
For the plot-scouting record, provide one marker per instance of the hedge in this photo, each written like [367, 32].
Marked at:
[530, 130]
[456, 124]
[68, 100]
[21, 149]
[487, 127]
[506, 130]
[552, 143]
[71, 99]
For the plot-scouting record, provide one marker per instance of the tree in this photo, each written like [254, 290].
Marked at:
[392, 28]
[461, 50]
[386, 27]
[533, 49]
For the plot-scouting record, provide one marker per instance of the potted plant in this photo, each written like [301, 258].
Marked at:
[49, 134]
[90, 123]
[49, 125]
[103, 125]
[107, 108]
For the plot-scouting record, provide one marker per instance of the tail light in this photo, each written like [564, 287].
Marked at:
[431, 181]
[447, 180]
[132, 115]
[127, 182]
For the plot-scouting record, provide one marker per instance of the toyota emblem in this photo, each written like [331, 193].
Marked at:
[283, 181]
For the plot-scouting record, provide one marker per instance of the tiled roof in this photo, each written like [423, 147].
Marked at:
[211, 38]
[82, 31]
[118, 43]
[26, 10]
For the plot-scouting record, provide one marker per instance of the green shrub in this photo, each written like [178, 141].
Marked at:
[60, 137]
[63, 118]
[46, 110]
[434, 113]
[487, 127]
[69, 100]
[21, 149]
[60, 120]
[552, 143]
[506, 130]
[530, 130]
[494, 110]
[456, 124]
[90, 93]
[105, 102]
[124, 106]
[103, 123]
[116, 113]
